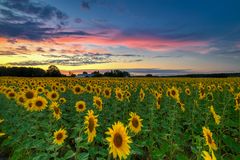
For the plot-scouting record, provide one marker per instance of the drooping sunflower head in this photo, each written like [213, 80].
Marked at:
[62, 100]
[118, 141]
[97, 101]
[206, 156]
[39, 103]
[80, 106]
[208, 138]
[135, 123]
[57, 112]
[59, 136]
[91, 122]
[187, 91]
[141, 95]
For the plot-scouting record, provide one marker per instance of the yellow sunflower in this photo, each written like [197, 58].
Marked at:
[181, 105]
[91, 122]
[215, 116]
[119, 94]
[158, 102]
[57, 112]
[141, 95]
[187, 91]
[29, 105]
[60, 136]
[107, 92]
[39, 103]
[97, 101]
[135, 123]
[174, 93]
[62, 100]
[207, 156]
[80, 106]
[2, 134]
[77, 89]
[53, 95]
[118, 141]
[208, 138]
[30, 94]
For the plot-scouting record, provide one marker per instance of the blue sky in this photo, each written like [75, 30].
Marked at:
[186, 36]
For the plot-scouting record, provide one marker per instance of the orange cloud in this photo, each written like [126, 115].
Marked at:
[148, 43]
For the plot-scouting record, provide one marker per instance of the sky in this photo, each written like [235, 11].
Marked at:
[161, 37]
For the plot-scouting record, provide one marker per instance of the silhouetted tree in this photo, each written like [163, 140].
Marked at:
[53, 71]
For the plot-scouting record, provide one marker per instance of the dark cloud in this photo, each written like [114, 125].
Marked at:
[22, 48]
[85, 4]
[7, 53]
[159, 72]
[30, 20]
[12, 40]
[40, 49]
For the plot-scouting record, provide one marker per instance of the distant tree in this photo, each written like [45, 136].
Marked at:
[85, 72]
[97, 74]
[117, 73]
[149, 75]
[53, 71]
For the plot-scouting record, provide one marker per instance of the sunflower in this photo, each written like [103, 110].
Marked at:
[53, 104]
[141, 95]
[237, 102]
[127, 95]
[62, 100]
[29, 94]
[89, 88]
[77, 89]
[40, 90]
[57, 112]
[11, 95]
[60, 136]
[29, 105]
[118, 141]
[135, 123]
[53, 95]
[90, 125]
[97, 101]
[1, 120]
[20, 99]
[119, 94]
[174, 93]
[107, 92]
[2, 134]
[210, 96]
[181, 105]
[80, 106]
[208, 138]
[207, 156]
[187, 91]
[39, 103]
[215, 116]
[158, 102]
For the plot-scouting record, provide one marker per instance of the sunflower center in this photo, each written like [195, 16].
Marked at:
[29, 95]
[11, 94]
[77, 89]
[21, 99]
[98, 102]
[80, 106]
[91, 124]
[54, 95]
[117, 140]
[209, 139]
[173, 92]
[59, 136]
[39, 103]
[135, 122]
[107, 92]
[56, 110]
[119, 95]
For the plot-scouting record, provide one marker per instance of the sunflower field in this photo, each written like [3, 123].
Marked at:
[119, 118]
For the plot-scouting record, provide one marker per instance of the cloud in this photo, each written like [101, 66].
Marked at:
[12, 40]
[29, 19]
[85, 5]
[7, 53]
[40, 49]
